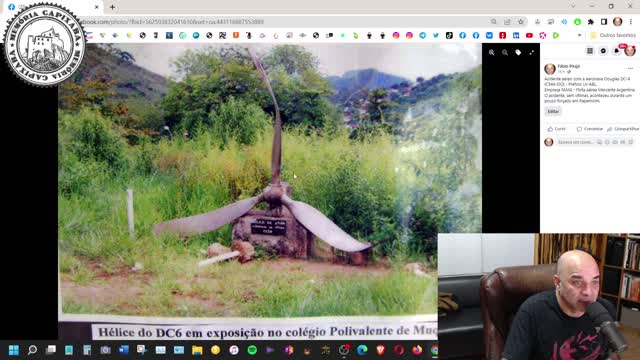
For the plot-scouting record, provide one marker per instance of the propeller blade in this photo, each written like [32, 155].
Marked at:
[276, 150]
[322, 227]
[198, 224]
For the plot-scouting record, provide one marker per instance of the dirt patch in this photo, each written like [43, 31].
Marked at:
[320, 267]
[109, 287]
[121, 288]
[107, 291]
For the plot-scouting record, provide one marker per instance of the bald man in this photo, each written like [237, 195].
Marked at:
[554, 324]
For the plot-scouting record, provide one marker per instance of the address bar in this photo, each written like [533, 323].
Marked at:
[350, 21]
[168, 20]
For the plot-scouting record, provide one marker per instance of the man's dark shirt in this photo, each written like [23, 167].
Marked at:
[541, 330]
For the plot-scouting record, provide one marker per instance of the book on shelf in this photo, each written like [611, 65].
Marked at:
[632, 255]
[635, 289]
[630, 287]
[626, 254]
[615, 251]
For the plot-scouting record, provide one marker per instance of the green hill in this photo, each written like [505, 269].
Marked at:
[132, 82]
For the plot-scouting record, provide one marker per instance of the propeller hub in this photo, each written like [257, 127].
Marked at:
[273, 193]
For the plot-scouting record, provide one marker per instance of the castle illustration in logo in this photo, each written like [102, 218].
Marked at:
[45, 52]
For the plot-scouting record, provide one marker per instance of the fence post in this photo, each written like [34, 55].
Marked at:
[130, 212]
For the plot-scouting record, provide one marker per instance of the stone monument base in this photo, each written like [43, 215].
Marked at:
[281, 235]
[276, 231]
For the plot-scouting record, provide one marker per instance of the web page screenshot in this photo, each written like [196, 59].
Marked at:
[252, 181]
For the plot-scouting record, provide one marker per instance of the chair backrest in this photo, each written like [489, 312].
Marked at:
[501, 294]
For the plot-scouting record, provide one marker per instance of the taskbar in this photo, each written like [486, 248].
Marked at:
[246, 349]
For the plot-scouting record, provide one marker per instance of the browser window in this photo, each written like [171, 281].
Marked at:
[252, 180]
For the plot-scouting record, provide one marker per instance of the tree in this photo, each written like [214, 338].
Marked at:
[303, 100]
[98, 95]
[377, 103]
[208, 78]
[378, 116]
[293, 59]
[189, 102]
[89, 93]
[196, 63]
[239, 121]
[92, 137]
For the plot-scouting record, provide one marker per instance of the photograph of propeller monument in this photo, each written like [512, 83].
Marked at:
[269, 181]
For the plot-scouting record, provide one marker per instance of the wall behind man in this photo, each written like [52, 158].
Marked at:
[466, 254]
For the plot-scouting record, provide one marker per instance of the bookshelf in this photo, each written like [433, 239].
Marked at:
[620, 280]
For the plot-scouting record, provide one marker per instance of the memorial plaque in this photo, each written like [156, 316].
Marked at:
[269, 227]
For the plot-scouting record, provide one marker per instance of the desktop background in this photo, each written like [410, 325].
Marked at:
[384, 139]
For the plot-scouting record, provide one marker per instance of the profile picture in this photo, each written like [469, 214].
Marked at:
[617, 21]
[550, 69]
[548, 141]
[630, 50]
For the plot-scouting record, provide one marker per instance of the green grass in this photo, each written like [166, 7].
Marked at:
[255, 290]
[394, 294]
[71, 307]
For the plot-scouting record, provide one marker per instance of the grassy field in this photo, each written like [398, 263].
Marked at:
[357, 184]
[263, 288]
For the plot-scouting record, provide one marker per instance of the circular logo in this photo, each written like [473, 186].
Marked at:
[398, 349]
[234, 350]
[252, 349]
[434, 350]
[362, 350]
[344, 349]
[215, 349]
[44, 44]
[417, 350]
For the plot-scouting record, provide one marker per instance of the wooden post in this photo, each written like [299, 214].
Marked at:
[130, 212]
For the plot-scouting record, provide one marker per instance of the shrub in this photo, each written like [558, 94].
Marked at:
[239, 121]
[92, 137]
[76, 176]
[145, 156]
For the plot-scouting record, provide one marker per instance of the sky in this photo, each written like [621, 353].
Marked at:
[406, 60]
